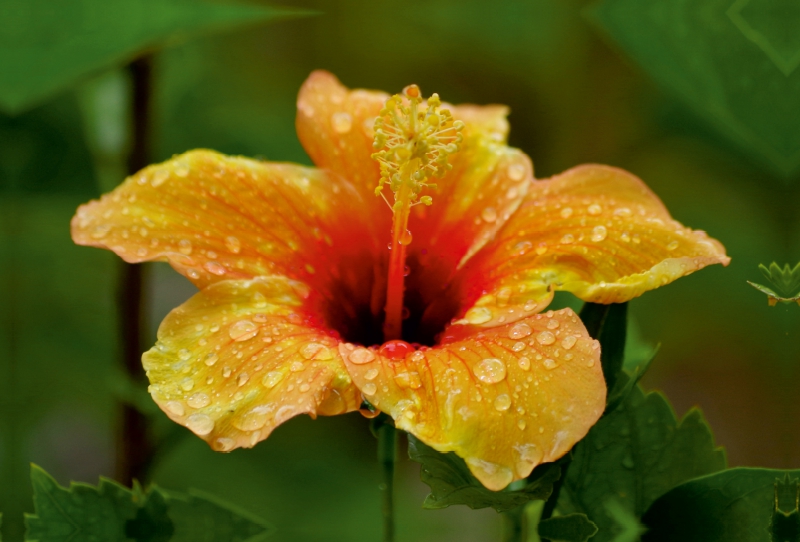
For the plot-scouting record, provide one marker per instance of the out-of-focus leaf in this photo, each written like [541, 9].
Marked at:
[111, 512]
[452, 483]
[47, 45]
[737, 505]
[569, 528]
[629, 528]
[608, 324]
[635, 454]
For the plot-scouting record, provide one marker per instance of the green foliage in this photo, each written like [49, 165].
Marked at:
[633, 455]
[53, 44]
[452, 483]
[569, 528]
[786, 281]
[709, 53]
[112, 513]
[628, 527]
[609, 325]
[737, 505]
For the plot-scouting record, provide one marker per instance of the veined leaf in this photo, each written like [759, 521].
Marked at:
[452, 483]
[635, 454]
[48, 45]
[111, 512]
[737, 505]
[569, 528]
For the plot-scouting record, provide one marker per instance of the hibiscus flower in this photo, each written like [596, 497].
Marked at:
[297, 269]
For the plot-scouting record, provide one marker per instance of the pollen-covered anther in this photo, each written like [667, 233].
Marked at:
[414, 139]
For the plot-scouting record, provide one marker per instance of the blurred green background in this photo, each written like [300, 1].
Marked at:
[584, 85]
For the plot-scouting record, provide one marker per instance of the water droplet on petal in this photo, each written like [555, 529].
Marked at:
[233, 244]
[553, 324]
[408, 380]
[342, 122]
[272, 378]
[211, 358]
[243, 330]
[100, 231]
[516, 172]
[622, 211]
[360, 356]
[242, 379]
[370, 388]
[568, 239]
[594, 209]
[490, 370]
[569, 341]
[175, 407]
[546, 337]
[371, 374]
[200, 424]
[502, 402]
[160, 177]
[316, 351]
[519, 346]
[549, 364]
[524, 363]
[395, 350]
[215, 268]
[489, 214]
[198, 400]
[519, 331]
[599, 233]
[184, 354]
[672, 246]
[566, 212]
[254, 419]
[478, 315]
[492, 475]
[406, 238]
[521, 424]
[187, 384]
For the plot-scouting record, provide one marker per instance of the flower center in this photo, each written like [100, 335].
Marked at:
[414, 141]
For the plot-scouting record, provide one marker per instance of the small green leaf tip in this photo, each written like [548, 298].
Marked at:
[786, 280]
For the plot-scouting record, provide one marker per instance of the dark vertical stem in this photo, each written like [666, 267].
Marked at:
[133, 444]
[387, 456]
[515, 525]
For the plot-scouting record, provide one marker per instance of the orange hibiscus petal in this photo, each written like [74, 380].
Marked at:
[505, 399]
[241, 357]
[215, 217]
[595, 231]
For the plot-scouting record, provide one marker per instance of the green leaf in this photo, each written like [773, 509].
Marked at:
[111, 512]
[635, 454]
[629, 528]
[452, 483]
[51, 44]
[608, 324]
[81, 513]
[569, 528]
[737, 505]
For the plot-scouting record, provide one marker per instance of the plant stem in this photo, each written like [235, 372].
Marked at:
[133, 443]
[515, 525]
[387, 456]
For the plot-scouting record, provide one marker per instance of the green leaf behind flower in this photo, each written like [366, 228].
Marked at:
[111, 512]
[451, 482]
[633, 455]
[737, 505]
[569, 528]
[48, 45]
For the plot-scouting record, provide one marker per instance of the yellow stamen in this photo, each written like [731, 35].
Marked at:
[414, 142]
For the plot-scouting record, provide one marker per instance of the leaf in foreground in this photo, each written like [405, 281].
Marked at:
[634, 455]
[737, 505]
[569, 528]
[111, 512]
[452, 483]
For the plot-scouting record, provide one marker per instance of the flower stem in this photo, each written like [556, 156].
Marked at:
[401, 237]
[515, 525]
[387, 455]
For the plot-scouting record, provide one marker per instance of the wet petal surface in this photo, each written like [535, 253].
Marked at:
[241, 357]
[505, 399]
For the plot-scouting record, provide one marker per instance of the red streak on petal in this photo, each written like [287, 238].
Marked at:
[395, 349]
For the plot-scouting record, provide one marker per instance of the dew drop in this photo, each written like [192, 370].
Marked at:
[175, 407]
[566, 212]
[360, 356]
[521, 424]
[395, 350]
[569, 341]
[594, 209]
[489, 214]
[226, 372]
[160, 177]
[524, 363]
[371, 374]
[490, 370]
[342, 122]
[187, 384]
[672, 246]
[502, 402]
[243, 330]
[272, 378]
[370, 388]
[478, 315]
[296, 366]
[406, 238]
[184, 354]
[553, 324]
[599, 233]
[211, 359]
[215, 268]
[200, 424]
[549, 364]
[492, 475]
[198, 400]
[316, 351]
[519, 346]
[254, 419]
[568, 239]
[519, 331]
[408, 380]
[546, 337]
[516, 172]
[622, 211]
[541, 249]
[242, 379]
[233, 244]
